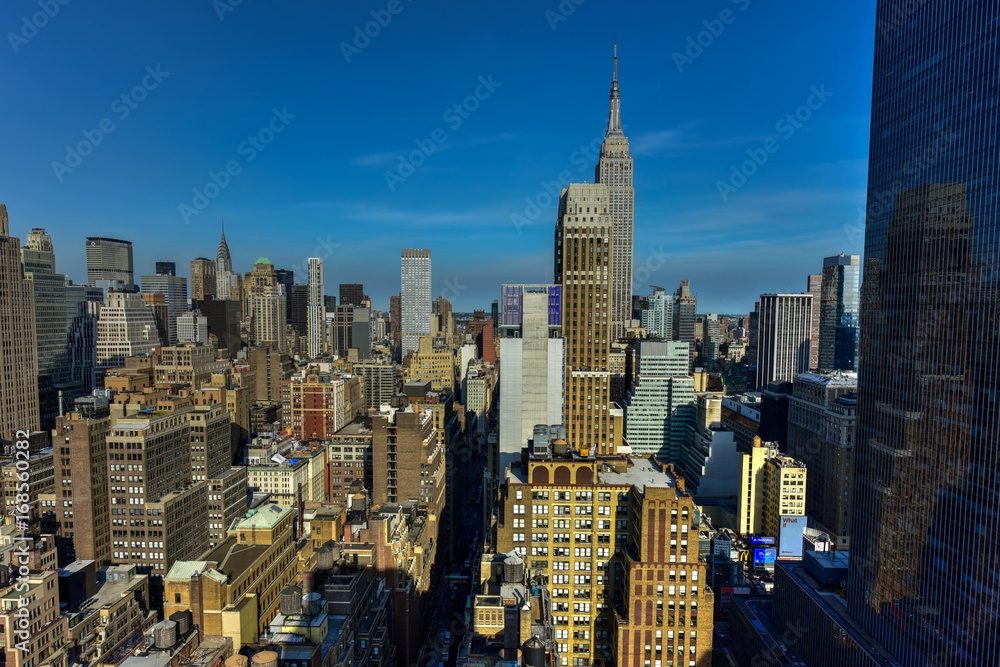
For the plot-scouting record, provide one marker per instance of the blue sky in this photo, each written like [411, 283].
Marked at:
[332, 113]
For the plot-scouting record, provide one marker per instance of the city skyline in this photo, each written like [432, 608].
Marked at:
[345, 207]
[688, 408]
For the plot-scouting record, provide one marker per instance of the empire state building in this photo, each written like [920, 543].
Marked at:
[614, 169]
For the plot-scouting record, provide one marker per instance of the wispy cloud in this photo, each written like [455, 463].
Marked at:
[684, 139]
[389, 158]
[374, 159]
[492, 139]
[363, 211]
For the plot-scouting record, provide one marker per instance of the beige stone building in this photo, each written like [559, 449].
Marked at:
[583, 267]
[601, 528]
[234, 589]
[435, 363]
[19, 362]
[34, 634]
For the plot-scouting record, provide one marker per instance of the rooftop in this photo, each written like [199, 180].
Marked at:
[355, 428]
[234, 557]
[643, 473]
[838, 379]
[267, 516]
[183, 570]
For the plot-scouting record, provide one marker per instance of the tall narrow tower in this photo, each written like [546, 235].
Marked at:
[415, 302]
[614, 169]
[223, 267]
[18, 361]
[316, 318]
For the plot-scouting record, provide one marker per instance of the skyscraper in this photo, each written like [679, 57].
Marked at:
[658, 318]
[838, 313]
[202, 278]
[109, 259]
[265, 306]
[361, 332]
[352, 294]
[299, 315]
[415, 302]
[223, 268]
[685, 306]
[614, 169]
[660, 405]
[583, 267]
[533, 350]
[125, 327]
[396, 325]
[174, 290]
[18, 362]
[286, 277]
[317, 309]
[55, 308]
[166, 268]
[712, 340]
[784, 323]
[814, 285]
[922, 575]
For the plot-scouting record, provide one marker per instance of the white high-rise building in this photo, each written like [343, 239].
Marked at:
[533, 351]
[784, 325]
[658, 318]
[192, 327]
[660, 405]
[125, 328]
[316, 315]
[415, 303]
[614, 169]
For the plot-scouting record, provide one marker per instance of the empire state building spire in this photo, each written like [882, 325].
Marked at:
[614, 169]
[615, 116]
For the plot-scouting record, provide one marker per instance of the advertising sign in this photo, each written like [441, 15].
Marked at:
[790, 538]
[761, 539]
[764, 557]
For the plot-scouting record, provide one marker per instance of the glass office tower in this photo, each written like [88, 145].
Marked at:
[925, 564]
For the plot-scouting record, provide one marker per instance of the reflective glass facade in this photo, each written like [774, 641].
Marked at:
[838, 310]
[925, 570]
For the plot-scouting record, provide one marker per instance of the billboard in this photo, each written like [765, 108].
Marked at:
[764, 557]
[790, 537]
[761, 539]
